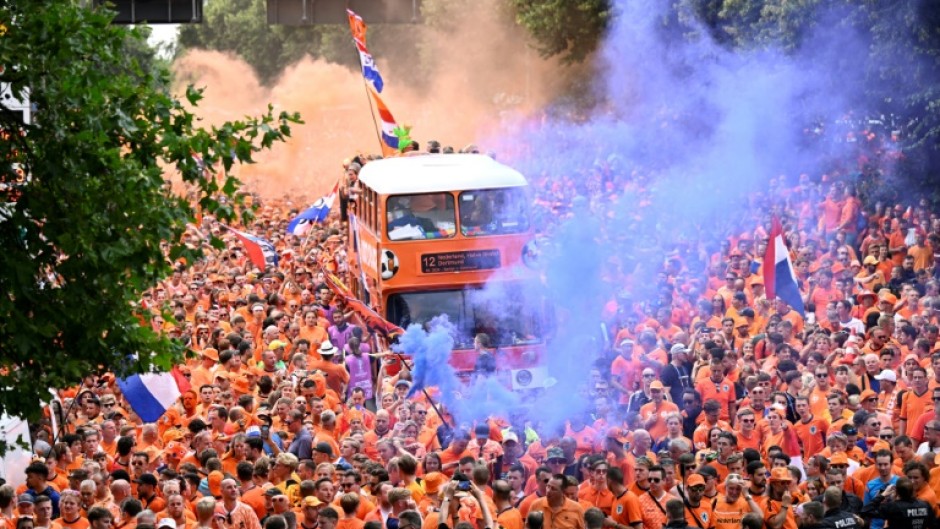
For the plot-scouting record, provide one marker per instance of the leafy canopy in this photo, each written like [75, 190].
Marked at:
[87, 235]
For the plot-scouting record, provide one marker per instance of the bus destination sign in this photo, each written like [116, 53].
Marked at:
[438, 263]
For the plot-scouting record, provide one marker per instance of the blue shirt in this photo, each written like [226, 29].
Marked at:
[52, 494]
[874, 487]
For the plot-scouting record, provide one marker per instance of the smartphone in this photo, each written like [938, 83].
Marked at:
[463, 486]
[265, 430]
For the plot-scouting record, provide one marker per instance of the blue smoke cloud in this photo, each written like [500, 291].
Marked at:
[677, 156]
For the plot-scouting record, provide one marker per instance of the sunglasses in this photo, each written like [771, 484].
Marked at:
[655, 480]
[886, 436]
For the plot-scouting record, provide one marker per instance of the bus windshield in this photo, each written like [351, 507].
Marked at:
[493, 212]
[418, 217]
[506, 316]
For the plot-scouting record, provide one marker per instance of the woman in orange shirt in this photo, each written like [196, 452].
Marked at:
[70, 505]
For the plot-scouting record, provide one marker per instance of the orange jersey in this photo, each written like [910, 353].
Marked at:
[812, 434]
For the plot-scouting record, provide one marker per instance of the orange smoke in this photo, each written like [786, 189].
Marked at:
[481, 75]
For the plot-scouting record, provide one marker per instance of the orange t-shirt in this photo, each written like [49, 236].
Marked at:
[626, 372]
[626, 509]
[812, 434]
[723, 392]
[80, 523]
[350, 523]
[658, 429]
[913, 406]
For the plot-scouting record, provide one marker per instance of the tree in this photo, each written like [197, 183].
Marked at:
[569, 28]
[241, 27]
[87, 235]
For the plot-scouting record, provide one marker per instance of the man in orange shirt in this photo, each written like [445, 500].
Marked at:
[594, 489]
[810, 429]
[626, 509]
[653, 501]
[916, 402]
[718, 387]
[698, 513]
[653, 413]
[559, 512]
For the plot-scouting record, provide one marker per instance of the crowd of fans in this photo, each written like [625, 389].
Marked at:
[713, 407]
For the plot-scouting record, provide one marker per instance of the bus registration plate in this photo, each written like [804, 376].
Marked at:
[437, 263]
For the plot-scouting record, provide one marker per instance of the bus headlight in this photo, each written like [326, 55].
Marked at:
[523, 378]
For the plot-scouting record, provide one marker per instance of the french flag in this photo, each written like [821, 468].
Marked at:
[150, 394]
[261, 252]
[389, 139]
[318, 212]
[779, 278]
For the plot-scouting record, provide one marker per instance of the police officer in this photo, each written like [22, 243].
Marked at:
[897, 505]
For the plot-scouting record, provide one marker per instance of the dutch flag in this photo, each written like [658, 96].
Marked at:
[389, 139]
[261, 252]
[369, 70]
[318, 212]
[150, 394]
[779, 278]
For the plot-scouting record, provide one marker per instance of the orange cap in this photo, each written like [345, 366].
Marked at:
[780, 474]
[618, 434]
[839, 458]
[433, 482]
[211, 353]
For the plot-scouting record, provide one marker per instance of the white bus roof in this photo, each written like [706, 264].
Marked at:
[435, 173]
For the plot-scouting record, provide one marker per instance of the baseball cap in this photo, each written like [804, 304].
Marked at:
[849, 429]
[656, 385]
[555, 453]
[510, 436]
[276, 344]
[211, 353]
[780, 474]
[147, 479]
[839, 458]
[310, 501]
[695, 479]
[870, 260]
[678, 349]
[323, 448]
[888, 375]
[167, 522]
[867, 394]
[25, 498]
[618, 434]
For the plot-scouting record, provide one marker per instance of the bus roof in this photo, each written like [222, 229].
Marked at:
[435, 173]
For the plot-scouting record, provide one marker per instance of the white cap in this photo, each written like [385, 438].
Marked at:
[167, 522]
[510, 436]
[888, 375]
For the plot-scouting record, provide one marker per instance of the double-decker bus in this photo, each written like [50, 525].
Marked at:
[445, 235]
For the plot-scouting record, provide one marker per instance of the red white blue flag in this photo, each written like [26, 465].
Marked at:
[779, 277]
[389, 139]
[261, 252]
